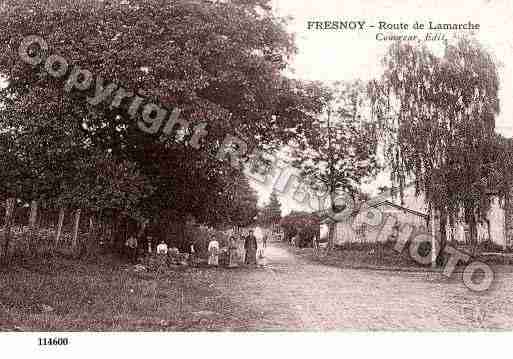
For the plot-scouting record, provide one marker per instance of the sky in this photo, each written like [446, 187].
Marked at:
[346, 55]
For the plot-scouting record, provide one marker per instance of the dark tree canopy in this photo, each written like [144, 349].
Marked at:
[220, 63]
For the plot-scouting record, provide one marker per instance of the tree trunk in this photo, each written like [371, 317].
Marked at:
[172, 224]
[443, 229]
[100, 227]
[114, 230]
[488, 229]
[90, 234]
[331, 237]
[331, 225]
[432, 226]
[9, 210]
[142, 229]
[473, 232]
[75, 230]
[59, 225]
[443, 235]
[181, 234]
[32, 228]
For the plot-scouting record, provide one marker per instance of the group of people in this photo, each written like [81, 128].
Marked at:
[132, 248]
[250, 249]
[234, 254]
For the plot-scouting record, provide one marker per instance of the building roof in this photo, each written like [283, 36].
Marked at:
[354, 213]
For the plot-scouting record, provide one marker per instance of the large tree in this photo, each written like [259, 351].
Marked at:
[339, 150]
[220, 63]
[438, 117]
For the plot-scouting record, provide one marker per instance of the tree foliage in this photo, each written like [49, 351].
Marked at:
[220, 63]
[339, 150]
[438, 114]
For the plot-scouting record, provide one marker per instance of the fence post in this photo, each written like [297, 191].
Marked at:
[75, 230]
[9, 210]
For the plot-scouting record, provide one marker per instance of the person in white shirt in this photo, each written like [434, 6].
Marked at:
[213, 250]
[162, 248]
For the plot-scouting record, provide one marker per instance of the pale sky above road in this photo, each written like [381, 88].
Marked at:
[345, 55]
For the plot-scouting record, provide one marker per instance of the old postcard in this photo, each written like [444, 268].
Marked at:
[255, 166]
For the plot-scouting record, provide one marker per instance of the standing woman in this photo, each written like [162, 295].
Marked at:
[213, 250]
[241, 252]
[232, 252]
[250, 245]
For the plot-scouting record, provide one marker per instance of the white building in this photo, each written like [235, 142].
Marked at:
[372, 223]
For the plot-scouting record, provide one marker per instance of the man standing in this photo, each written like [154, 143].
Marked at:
[131, 245]
[250, 245]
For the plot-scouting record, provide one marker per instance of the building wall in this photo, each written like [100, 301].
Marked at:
[496, 215]
[509, 220]
[367, 225]
[359, 229]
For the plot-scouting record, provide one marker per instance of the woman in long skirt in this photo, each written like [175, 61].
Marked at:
[232, 252]
[213, 250]
[251, 247]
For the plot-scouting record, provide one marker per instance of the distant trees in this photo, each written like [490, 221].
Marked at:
[274, 209]
[270, 214]
[438, 117]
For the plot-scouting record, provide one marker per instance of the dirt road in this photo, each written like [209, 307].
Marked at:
[291, 293]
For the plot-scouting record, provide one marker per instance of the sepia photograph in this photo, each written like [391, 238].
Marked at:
[255, 166]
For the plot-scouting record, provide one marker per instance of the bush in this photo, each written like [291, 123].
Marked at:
[304, 225]
[384, 253]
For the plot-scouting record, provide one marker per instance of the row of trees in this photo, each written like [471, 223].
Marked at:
[219, 62]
